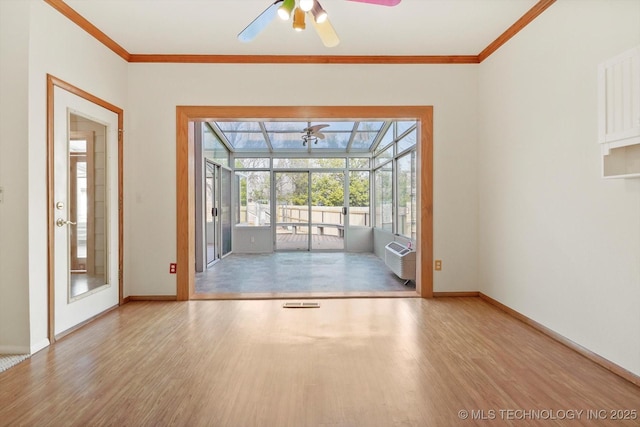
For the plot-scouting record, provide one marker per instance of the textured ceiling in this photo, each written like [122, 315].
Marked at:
[210, 27]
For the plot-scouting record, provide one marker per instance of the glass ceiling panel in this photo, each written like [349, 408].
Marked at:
[363, 140]
[386, 139]
[239, 126]
[243, 141]
[286, 135]
[370, 126]
[403, 126]
[333, 141]
[335, 126]
[408, 141]
[286, 142]
[285, 126]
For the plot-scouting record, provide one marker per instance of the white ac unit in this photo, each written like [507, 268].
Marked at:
[401, 260]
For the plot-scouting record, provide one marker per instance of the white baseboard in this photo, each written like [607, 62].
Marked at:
[39, 345]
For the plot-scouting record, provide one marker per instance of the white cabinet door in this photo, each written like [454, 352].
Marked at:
[619, 99]
[619, 115]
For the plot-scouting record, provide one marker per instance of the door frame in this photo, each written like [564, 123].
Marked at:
[52, 83]
[186, 116]
[309, 224]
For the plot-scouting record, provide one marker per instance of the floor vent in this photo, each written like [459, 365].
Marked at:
[301, 305]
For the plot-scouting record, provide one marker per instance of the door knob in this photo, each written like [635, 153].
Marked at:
[62, 222]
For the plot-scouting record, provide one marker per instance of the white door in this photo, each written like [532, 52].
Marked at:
[86, 225]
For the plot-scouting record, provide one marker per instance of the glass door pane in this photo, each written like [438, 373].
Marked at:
[292, 210]
[406, 182]
[225, 205]
[383, 197]
[78, 208]
[87, 192]
[328, 210]
[359, 203]
[210, 212]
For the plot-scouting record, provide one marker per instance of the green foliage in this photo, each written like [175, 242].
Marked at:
[327, 189]
[359, 189]
[243, 191]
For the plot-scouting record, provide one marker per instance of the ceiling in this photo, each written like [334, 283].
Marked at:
[210, 27]
[414, 28]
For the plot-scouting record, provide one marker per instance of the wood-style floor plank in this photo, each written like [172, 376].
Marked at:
[353, 362]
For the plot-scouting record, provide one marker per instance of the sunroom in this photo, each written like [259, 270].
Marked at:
[323, 197]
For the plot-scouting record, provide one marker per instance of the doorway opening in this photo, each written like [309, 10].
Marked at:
[310, 211]
[296, 214]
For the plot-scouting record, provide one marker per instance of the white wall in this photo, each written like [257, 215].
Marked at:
[359, 239]
[37, 40]
[156, 89]
[262, 240]
[14, 268]
[556, 242]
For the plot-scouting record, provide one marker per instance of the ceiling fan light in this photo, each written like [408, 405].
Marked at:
[319, 14]
[306, 5]
[284, 11]
[298, 19]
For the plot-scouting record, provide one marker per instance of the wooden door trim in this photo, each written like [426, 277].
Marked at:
[52, 83]
[185, 180]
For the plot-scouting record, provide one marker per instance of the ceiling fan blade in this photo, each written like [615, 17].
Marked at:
[319, 135]
[326, 32]
[259, 24]
[316, 128]
[380, 2]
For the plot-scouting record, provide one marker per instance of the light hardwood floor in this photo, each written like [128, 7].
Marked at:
[354, 362]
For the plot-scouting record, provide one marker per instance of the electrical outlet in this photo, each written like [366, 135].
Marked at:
[438, 264]
[173, 267]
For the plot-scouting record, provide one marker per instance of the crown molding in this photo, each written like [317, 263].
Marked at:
[95, 32]
[304, 59]
[525, 20]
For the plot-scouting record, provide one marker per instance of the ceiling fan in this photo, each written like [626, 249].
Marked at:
[312, 8]
[312, 134]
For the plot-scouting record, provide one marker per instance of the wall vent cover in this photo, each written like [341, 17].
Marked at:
[301, 305]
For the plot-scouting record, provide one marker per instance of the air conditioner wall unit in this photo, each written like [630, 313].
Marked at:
[401, 260]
